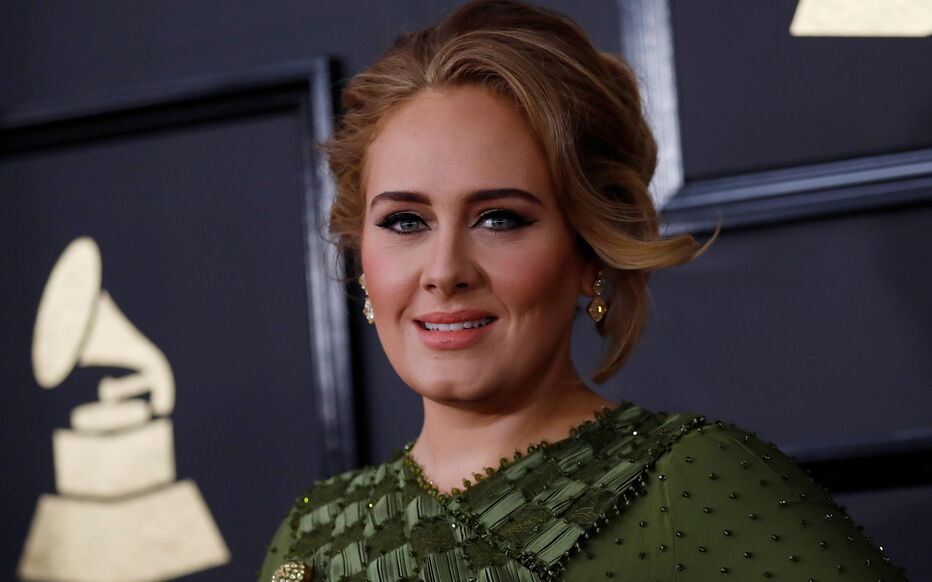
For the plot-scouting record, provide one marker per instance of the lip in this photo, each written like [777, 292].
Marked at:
[453, 340]
[454, 316]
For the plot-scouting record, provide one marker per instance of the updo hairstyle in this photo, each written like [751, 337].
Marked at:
[583, 107]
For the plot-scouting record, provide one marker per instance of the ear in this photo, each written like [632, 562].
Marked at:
[589, 271]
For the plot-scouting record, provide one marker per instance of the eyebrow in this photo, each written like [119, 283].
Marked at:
[477, 196]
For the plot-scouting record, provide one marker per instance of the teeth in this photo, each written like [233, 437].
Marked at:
[456, 326]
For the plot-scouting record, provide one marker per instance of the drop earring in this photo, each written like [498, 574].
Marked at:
[367, 306]
[597, 307]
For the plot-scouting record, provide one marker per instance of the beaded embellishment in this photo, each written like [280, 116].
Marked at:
[428, 486]
[292, 571]
[530, 515]
[538, 518]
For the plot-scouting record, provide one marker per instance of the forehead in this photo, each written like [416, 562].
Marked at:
[454, 141]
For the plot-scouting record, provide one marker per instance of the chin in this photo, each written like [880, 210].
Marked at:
[450, 388]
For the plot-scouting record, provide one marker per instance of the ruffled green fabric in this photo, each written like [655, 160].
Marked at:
[634, 495]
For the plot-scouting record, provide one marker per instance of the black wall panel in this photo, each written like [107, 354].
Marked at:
[201, 232]
[752, 97]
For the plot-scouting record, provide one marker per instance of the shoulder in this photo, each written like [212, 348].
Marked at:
[738, 504]
[308, 528]
[720, 451]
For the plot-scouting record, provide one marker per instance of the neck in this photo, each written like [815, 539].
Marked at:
[459, 439]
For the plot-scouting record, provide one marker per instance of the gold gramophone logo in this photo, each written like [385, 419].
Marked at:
[119, 514]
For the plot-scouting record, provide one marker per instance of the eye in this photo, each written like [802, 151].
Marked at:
[403, 223]
[501, 220]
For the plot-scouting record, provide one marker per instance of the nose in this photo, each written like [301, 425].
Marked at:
[450, 266]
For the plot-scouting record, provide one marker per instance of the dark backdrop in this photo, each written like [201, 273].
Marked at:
[201, 234]
[810, 333]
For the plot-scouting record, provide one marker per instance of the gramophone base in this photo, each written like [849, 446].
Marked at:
[157, 535]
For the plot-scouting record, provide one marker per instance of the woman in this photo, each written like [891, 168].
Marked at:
[491, 169]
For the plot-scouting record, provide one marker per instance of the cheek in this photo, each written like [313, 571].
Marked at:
[388, 279]
[542, 278]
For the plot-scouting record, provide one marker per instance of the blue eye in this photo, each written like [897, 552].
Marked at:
[403, 223]
[501, 220]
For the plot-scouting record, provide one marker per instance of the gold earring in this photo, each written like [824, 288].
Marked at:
[367, 306]
[597, 308]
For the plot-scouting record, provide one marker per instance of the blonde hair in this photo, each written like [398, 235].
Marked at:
[582, 105]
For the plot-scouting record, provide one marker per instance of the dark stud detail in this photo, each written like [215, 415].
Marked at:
[662, 477]
[782, 503]
[641, 555]
[732, 495]
[608, 574]
[745, 464]
[839, 567]
[685, 493]
[803, 522]
[642, 523]
[822, 544]
[706, 509]
[678, 533]
[768, 575]
[726, 532]
[748, 555]
[662, 548]
[689, 459]
[752, 516]
[794, 558]
[702, 549]
[678, 567]
[713, 476]
[723, 570]
[664, 509]
[774, 537]
[763, 482]
[618, 541]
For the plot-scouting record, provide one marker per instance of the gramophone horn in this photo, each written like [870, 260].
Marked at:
[79, 324]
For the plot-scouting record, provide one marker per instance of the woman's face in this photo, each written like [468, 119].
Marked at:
[471, 268]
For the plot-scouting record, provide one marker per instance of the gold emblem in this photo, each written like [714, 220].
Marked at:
[291, 572]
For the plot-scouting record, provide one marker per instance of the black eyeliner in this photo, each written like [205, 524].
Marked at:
[520, 220]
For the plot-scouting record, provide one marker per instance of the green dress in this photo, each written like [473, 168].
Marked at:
[631, 496]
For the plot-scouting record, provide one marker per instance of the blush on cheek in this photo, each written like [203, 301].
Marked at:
[538, 278]
[385, 281]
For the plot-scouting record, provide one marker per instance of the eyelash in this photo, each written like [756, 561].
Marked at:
[392, 221]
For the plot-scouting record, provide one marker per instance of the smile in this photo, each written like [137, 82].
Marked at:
[454, 330]
[459, 326]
